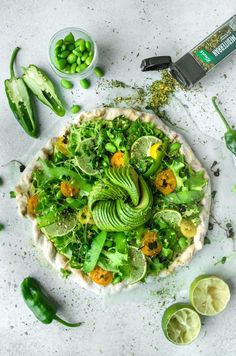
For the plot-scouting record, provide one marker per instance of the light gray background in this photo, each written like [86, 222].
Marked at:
[129, 324]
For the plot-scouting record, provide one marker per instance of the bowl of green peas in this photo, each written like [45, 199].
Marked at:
[72, 53]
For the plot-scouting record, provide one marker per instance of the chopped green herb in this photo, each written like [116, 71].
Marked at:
[207, 241]
[1, 181]
[230, 230]
[12, 194]
[213, 194]
[1, 227]
[65, 273]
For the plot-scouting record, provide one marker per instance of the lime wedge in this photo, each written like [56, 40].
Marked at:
[62, 227]
[172, 217]
[137, 265]
[209, 295]
[84, 160]
[181, 324]
[142, 146]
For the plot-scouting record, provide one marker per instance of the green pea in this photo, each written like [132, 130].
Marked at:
[182, 242]
[69, 38]
[75, 109]
[77, 52]
[85, 84]
[79, 42]
[61, 63]
[64, 54]
[81, 68]
[78, 61]
[57, 51]
[89, 60]
[84, 56]
[98, 72]
[63, 47]
[71, 58]
[110, 147]
[59, 43]
[88, 45]
[67, 68]
[71, 47]
[73, 68]
[91, 53]
[66, 84]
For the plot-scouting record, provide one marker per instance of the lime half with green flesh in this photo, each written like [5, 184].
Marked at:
[61, 227]
[172, 217]
[142, 146]
[137, 265]
[181, 324]
[209, 294]
[85, 156]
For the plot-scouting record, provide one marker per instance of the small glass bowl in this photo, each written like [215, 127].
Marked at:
[78, 33]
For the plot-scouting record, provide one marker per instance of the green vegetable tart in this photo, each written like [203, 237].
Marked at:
[116, 199]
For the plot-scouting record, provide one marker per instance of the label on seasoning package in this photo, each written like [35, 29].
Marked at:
[217, 46]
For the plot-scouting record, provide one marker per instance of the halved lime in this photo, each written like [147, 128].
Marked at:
[142, 146]
[209, 294]
[172, 217]
[181, 324]
[83, 159]
[137, 265]
[62, 227]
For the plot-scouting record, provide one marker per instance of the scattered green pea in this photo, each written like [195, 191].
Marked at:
[69, 38]
[75, 109]
[85, 84]
[71, 58]
[66, 84]
[110, 147]
[98, 72]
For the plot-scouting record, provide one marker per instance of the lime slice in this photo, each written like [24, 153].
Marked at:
[84, 160]
[181, 324]
[209, 295]
[172, 217]
[62, 227]
[142, 146]
[137, 265]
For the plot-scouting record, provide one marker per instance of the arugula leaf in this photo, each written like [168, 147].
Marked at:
[196, 181]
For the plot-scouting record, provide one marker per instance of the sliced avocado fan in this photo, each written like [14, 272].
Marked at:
[109, 204]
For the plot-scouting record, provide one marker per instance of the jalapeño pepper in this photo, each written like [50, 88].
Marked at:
[41, 306]
[230, 134]
[19, 100]
[42, 87]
